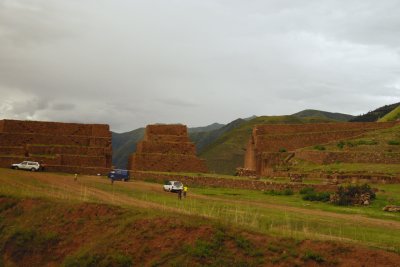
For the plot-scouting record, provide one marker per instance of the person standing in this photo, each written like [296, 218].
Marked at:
[185, 189]
[180, 194]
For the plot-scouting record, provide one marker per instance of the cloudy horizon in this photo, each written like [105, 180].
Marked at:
[132, 63]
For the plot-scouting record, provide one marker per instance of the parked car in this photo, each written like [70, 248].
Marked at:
[173, 186]
[119, 175]
[27, 165]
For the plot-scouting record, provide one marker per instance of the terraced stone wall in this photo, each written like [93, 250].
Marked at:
[286, 138]
[166, 148]
[59, 146]
[329, 157]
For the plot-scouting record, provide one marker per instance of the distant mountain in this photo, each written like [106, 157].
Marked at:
[323, 114]
[211, 127]
[376, 114]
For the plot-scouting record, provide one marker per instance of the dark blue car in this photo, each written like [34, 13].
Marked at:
[119, 175]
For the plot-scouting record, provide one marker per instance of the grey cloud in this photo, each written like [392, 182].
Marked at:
[62, 106]
[177, 102]
[130, 63]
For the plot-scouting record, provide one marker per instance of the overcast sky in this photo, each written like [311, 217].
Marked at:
[130, 63]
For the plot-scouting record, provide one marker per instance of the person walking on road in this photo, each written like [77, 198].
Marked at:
[185, 189]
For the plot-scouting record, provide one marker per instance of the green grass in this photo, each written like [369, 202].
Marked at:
[383, 140]
[305, 166]
[253, 210]
[391, 116]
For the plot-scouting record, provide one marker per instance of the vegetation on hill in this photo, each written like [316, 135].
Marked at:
[376, 114]
[323, 114]
[226, 153]
[124, 144]
[209, 128]
[391, 116]
[205, 138]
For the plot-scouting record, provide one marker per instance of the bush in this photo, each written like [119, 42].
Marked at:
[310, 255]
[282, 149]
[393, 142]
[349, 195]
[285, 192]
[367, 142]
[319, 147]
[314, 196]
[341, 144]
[28, 241]
[98, 260]
[307, 190]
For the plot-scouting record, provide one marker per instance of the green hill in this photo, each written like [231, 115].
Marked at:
[323, 114]
[209, 128]
[124, 144]
[227, 152]
[376, 114]
[391, 116]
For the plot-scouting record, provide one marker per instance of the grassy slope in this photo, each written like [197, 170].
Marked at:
[147, 230]
[227, 152]
[374, 115]
[123, 145]
[391, 116]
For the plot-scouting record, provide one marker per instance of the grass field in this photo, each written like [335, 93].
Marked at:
[287, 216]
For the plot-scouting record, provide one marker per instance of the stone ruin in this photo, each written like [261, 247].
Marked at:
[61, 147]
[166, 148]
[271, 146]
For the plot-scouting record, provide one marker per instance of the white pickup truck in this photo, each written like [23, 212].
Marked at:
[173, 186]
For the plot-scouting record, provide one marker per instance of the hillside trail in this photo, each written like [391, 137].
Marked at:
[356, 218]
[81, 189]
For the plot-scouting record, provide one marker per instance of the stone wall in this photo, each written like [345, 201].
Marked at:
[59, 146]
[286, 137]
[207, 181]
[329, 157]
[166, 148]
[185, 148]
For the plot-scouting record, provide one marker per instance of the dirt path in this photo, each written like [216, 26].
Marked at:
[75, 189]
[355, 218]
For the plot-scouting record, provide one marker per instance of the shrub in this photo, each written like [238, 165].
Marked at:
[341, 144]
[366, 142]
[319, 147]
[310, 255]
[282, 149]
[285, 192]
[307, 190]
[393, 142]
[101, 260]
[27, 241]
[314, 196]
[349, 195]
